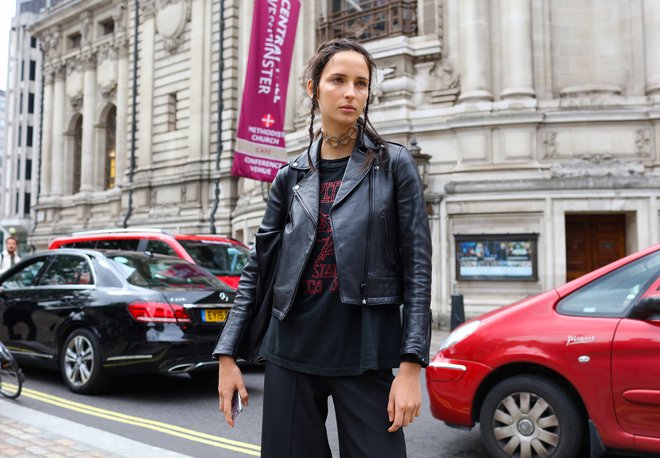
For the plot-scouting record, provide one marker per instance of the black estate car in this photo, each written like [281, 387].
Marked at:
[95, 314]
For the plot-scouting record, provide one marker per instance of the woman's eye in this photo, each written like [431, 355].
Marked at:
[361, 84]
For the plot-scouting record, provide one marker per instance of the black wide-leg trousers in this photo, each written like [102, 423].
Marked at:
[296, 407]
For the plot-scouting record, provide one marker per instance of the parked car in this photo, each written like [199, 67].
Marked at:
[95, 315]
[223, 256]
[569, 372]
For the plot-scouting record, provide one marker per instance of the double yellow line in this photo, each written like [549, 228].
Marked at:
[172, 430]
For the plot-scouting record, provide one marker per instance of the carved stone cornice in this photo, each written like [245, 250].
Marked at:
[59, 69]
[106, 51]
[147, 9]
[74, 64]
[76, 102]
[88, 59]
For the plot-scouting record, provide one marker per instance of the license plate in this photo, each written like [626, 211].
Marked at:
[215, 316]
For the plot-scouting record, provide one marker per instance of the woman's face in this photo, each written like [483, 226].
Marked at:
[343, 91]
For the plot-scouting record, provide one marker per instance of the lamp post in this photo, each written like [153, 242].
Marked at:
[421, 160]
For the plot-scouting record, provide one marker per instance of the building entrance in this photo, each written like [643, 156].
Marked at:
[593, 241]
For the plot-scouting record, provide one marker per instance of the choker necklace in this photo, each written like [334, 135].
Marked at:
[343, 139]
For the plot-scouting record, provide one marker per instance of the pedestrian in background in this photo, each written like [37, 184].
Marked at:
[351, 299]
[9, 254]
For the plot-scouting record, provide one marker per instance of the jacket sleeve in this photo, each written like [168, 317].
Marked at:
[416, 252]
[241, 311]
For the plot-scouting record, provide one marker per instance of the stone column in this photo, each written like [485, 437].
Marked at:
[652, 38]
[517, 72]
[87, 172]
[197, 72]
[59, 100]
[475, 50]
[146, 113]
[47, 134]
[121, 137]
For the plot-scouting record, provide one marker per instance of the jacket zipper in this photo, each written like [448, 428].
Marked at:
[366, 263]
[383, 215]
[295, 289]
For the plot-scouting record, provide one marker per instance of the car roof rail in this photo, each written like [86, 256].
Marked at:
[121, 231]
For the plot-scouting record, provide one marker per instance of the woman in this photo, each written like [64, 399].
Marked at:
[356, 245]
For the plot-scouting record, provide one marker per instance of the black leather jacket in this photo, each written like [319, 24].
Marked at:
[382, 244]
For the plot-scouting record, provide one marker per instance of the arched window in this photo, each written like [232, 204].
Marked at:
[110, 152]
[77, 154]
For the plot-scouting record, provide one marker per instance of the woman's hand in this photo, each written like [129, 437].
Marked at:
[230, 379]
[405, 401]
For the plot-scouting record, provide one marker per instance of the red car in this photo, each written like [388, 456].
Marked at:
[572, 372]
[223, 256]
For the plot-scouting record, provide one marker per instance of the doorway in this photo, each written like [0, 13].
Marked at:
[593, 241]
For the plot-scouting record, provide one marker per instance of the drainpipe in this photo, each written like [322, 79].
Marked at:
[218, 148]
[131, 168]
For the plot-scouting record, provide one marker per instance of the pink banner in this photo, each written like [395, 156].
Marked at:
[260, 147]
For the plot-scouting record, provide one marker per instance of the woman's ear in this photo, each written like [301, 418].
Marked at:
[310, 87]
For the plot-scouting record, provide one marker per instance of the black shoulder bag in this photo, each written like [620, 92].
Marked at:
[267, 247]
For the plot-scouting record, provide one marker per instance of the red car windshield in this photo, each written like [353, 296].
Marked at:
[219, 258]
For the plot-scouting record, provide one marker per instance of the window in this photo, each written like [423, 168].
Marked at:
[27, 203]
[20, 135]
[33, 70]
[86, 244]
[26, 276]
[615, 293]
[160, 247]
[74, 40]
[31, 103]
[77, 154]
[171, 111]
[366, 20]
[28, 169]
[20, 105]
[33, 42]
[110, 151]
[67, 270]
[106, 27]
[129, 245]
[30, 134]
[219, 258]
[22, 71]
[18, 168]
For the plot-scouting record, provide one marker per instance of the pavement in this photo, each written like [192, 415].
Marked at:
[26, 432]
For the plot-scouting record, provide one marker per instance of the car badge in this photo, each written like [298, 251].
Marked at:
[223, 296]
[576, 340]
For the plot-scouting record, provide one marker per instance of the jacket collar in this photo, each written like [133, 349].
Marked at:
[308, 189]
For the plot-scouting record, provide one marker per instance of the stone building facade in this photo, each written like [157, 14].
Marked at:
[540, 119]
[21, 132]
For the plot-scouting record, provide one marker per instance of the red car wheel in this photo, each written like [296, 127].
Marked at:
[531, 417]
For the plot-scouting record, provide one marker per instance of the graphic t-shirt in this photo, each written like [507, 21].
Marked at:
[321, 335]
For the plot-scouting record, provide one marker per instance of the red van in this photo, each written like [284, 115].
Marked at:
[222, 256]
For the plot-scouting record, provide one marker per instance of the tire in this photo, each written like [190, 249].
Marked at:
[11, 376]
[531, 417]
[80, 361]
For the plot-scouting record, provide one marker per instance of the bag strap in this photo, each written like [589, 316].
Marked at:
[292, 178]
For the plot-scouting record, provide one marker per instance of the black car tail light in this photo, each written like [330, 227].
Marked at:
[158, 312]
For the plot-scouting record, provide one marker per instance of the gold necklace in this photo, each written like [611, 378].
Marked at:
[343, 139]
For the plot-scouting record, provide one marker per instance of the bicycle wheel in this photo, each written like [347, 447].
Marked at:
[11, 376]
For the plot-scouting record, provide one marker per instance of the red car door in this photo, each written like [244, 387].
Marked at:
[636, 374]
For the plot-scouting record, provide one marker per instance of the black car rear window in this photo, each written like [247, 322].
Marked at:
[161, 272]
[219, 258]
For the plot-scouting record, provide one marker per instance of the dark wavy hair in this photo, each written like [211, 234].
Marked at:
[313, 72]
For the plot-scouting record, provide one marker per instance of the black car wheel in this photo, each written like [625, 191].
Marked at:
[81, 363]
[531, 417]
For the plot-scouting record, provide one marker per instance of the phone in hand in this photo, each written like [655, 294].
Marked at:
[236, 405]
